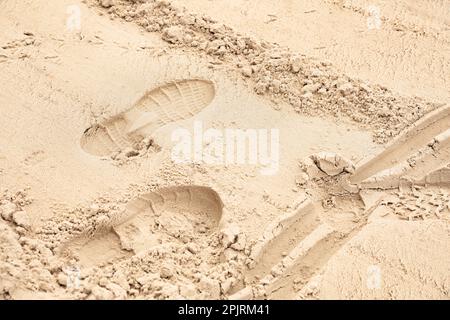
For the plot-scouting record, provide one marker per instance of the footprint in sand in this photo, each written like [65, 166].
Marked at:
[183, 213]
[173, 101]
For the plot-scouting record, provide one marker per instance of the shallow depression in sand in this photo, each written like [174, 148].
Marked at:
[182, 214]
[173, 101]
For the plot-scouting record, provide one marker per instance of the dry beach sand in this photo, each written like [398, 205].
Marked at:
[350, 200]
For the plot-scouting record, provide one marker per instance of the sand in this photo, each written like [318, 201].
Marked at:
[120, 175]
